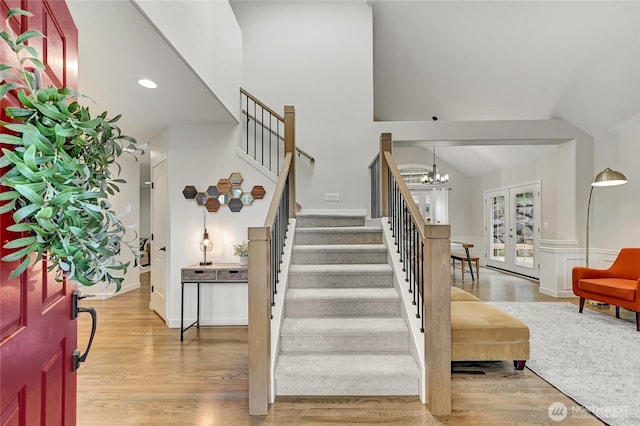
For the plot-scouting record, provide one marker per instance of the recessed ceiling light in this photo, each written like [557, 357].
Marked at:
[149, 84]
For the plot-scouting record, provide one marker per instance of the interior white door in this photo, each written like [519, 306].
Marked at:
[159, 232]
[513, 229]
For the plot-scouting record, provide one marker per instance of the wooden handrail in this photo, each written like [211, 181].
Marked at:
[279, 189]
[303, 152]
[257, 101]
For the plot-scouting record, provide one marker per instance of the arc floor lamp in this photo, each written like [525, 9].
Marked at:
[607, 177]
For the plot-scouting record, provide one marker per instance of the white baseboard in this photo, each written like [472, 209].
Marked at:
[98, 292]
[175, 323]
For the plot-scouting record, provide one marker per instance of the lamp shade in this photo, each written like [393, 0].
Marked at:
[609, 177]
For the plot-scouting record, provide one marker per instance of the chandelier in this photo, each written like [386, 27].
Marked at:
[434, 176]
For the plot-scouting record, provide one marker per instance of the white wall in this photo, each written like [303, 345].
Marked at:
[206, 34]
[615, 211]
[317, 56]
[201, 155]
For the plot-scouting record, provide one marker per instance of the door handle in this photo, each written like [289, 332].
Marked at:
[76, 310]
[163, 248]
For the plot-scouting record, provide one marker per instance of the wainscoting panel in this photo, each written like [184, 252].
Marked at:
[557, 259]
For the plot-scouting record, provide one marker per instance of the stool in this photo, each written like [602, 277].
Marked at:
[462, 257]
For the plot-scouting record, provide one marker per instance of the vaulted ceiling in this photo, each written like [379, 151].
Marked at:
[508, 60]
[473, 60]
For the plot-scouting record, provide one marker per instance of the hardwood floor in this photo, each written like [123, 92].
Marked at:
[139, 373]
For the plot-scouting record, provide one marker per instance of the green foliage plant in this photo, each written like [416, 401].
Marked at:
[59, 174]
[241, 249]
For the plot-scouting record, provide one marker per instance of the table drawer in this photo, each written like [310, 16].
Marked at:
[199, 274]
[233, 274]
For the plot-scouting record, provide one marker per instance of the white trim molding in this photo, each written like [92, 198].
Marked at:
[557, 259]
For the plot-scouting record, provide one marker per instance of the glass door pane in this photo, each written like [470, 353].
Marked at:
[498, 227]
[524, 229]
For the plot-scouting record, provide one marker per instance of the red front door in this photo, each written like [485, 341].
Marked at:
[37, 332]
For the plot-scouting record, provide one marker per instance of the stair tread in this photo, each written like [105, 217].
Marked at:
[345, 365]
[338, 268]
[342, 294]
[340, 229]
[340, 247]
[342, 326]
[332, 213]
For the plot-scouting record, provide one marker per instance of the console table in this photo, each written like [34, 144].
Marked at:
[208, 274]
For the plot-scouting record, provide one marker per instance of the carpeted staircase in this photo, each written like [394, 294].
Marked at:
[342, 332]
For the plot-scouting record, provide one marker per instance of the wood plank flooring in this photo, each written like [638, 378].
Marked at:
[139, 373]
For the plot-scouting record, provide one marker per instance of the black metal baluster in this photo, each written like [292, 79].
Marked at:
[422, 282]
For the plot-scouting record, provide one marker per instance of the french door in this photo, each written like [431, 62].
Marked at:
[513, 229]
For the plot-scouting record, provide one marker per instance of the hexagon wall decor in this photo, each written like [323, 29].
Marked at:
[201, 198]
[258, 192]
[212, 205]
[224, 186]
[189, 192]
[227, 192]
[235, 205]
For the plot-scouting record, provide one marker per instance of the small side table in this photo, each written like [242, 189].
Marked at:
[208, 274]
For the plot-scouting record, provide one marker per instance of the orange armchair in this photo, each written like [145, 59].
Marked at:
[619, 285]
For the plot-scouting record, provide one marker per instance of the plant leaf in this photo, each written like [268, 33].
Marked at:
[27, 35]
[21, 268]
[6, 208]
[17, 255]
[31, 195]
[20, 242]
[25, 212]
[30, 158]
[17, 11]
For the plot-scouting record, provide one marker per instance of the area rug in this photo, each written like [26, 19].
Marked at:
[591, 357]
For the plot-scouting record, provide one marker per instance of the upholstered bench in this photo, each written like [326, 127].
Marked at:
[480, 332]
[458, 294]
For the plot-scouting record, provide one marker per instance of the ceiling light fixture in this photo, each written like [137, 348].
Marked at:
[434, 176]
[149, 84]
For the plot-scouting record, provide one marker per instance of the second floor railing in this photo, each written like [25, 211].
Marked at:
[264, 137]
[424, 252]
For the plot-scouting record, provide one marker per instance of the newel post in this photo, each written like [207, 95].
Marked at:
[437, 311]
[290, 146]
[259, 320]
[385, 146]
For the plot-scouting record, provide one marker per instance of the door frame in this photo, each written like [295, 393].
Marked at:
[159, 236]
[509, 264]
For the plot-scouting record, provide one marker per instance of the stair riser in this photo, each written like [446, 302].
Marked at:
[324, 221]
[357, 343]
[325, 385]
[308, 257]
[308, 309]
[340, 281]
[338, 238]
